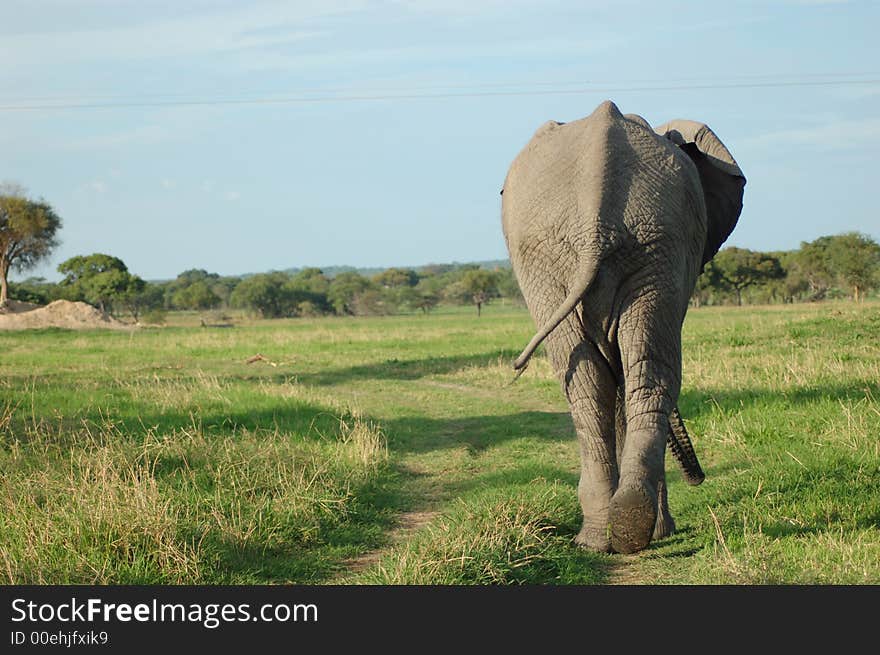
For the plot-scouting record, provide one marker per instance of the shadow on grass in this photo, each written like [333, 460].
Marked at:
[476, 433]
[393, 368]
[697, 402]
[321, 557]
[136, 420]
[402, 369]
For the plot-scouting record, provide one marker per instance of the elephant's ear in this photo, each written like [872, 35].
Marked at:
[720, 175]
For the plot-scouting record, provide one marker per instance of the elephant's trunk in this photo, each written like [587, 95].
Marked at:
[683, 451]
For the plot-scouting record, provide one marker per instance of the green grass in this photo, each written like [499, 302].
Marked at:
[160, 456]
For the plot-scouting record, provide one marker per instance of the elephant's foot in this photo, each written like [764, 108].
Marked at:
[594, 538]
[665, 525]
[633, 517]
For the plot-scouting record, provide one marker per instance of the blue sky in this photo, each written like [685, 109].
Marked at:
[252, 136]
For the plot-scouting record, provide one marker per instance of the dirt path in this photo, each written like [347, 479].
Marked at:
[428, 489]
[421, 484]
[408, 524]
[624, 571]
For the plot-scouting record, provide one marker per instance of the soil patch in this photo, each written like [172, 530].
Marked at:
[61, 313]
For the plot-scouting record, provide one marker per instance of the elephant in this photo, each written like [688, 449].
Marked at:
[608, 223]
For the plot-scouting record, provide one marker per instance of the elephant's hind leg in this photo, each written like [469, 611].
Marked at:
[590, 389]
[649, 336]
[665, 524]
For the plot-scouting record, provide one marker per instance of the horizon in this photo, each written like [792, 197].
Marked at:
[331, 270]
[230, 138]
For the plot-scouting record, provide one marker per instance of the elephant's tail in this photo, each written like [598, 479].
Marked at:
[582, 283]
[683, 450]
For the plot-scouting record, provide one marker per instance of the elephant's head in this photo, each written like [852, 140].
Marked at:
[720, 175]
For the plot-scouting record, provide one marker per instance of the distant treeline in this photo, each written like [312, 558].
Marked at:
[104, 281]
[846, 265]
[841, 266]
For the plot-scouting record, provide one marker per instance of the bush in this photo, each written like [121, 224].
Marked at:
[155, 316]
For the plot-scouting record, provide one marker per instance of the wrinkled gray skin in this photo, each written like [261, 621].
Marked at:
[608, 224]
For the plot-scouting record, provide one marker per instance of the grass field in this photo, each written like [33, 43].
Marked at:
[393, 450]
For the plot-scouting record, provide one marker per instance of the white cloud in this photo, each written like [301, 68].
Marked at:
[232, 196]
[167, 183]
[832, 135]
[98, 186]
[254, 30]
[245, 27]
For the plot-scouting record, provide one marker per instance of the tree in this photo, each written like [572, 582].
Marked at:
[176, 290]
[193, 275]
[36, 290]
[433, 283]
[371, 302]
[856, 259]
[508, 287]
[813, 263]
[197, 295]
[344, 290]
[708, 283]
[426, 297]
[397, 277]
[260, 293]
[142, 296]
[222, 287]
[273, 295]
[311, 279]
[740, 268]
[307, 291]
[426, 301]
[98, 279]
[481, 285]
[28, 233]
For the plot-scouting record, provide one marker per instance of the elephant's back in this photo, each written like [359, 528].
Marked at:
[595, 182]
[554, 187]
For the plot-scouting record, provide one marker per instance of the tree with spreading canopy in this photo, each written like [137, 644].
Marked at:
[28, 233]
[476, 285]
[508, 287]
[197, 295]
[141, 297]
[308, 290]
[813, 263]
[262, 293]
[856, 258]
[276, 295]
[193, 289]
[345, 290]
[99, 280]
[311, 279]
[396, 277]
[739, 268]
[426, 297]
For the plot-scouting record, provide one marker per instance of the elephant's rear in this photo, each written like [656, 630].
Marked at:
[550, 209]
[607, 223]
[579, 191]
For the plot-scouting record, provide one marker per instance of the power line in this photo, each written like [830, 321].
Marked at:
[365, 97]
[738, 79]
